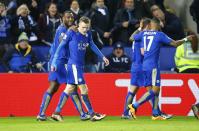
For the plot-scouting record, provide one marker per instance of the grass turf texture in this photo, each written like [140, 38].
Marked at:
[108, 124]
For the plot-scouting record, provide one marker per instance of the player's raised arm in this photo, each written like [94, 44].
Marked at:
[131, 39]
[144, 24]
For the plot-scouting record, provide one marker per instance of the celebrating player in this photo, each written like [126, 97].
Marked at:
[136, 69]
[152, 40]
[59, 76]
[77, 42]
[137, 78]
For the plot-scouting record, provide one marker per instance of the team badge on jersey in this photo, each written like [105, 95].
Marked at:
[80, 80]
[82, 46]
[65, 36]
[61, 37]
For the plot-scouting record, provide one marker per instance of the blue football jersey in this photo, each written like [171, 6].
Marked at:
[77, 44]
[59, 35]
[151, 41]
[137, 57]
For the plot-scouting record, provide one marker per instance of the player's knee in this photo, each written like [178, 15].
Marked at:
[133, 89]
[156, 89]
[53, 88]
[74, 91]
[83, 89]
[148, 88]
[69, 89]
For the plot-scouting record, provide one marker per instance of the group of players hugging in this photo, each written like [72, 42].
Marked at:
[67, 67]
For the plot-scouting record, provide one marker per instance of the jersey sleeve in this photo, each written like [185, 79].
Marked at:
[141, 44]
[61, 35]
[57, 39]
[165, 39]
[94, 48]
[57, 34]
[66, 38]
[137, 37]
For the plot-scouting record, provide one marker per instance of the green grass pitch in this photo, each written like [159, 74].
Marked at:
[108, 124]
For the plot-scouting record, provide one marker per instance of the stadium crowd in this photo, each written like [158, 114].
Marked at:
[113, 22]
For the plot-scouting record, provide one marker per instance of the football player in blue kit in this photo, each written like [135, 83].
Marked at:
[137, 79]
[77, 42]
[151, 41]
[59, 76]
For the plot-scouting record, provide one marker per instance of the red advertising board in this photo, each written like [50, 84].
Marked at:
[21, 94]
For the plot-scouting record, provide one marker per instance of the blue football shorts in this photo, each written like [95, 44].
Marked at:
[75, 74]
[60, 75]
[137, 78]
[152, 77]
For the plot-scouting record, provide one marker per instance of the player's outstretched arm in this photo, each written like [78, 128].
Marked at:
[180, 42]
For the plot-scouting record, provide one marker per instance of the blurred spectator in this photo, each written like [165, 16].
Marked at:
[186, 58]
[33, 6]
[113, 6]
[62, 5]
[194, 11]
[91, 58]
[34, 9]
[160, 3]
[25, 23]
[5, 26]
[21, 2]
[75, 9]
[119, 61]
[85, 5]
[21, 58]
[100, 21]
[42, 5]
[143, 7]
[11, 7]
[170, 23]
[126, 21]
[48, 23]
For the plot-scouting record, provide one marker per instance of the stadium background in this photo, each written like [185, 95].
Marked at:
[180, 8]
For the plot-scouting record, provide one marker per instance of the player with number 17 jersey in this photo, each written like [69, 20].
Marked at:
[152, 42]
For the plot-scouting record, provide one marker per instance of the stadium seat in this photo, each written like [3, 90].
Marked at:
[2, 70]
[42, 53]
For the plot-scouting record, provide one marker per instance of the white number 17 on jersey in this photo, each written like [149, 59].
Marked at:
[147, 46]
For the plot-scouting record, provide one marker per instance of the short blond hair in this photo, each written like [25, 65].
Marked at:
[85, 20]
[21, 8]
